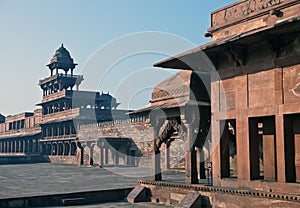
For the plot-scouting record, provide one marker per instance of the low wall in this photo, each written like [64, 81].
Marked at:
[64, 160]
[77, 198]
[22, 159]
[173, 193]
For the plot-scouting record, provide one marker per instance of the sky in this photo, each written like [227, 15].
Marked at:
[114, 42]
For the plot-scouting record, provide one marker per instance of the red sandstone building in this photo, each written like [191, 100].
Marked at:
[255, 99]
[254, 61]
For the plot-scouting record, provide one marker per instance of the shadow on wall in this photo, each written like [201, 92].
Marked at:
[23, 159]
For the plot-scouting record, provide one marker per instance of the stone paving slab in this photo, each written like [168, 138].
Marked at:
[45, 179]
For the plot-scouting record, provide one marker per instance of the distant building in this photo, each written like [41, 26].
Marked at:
[20, 134]
[51, 131]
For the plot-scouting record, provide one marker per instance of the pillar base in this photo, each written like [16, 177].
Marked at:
[157, 177]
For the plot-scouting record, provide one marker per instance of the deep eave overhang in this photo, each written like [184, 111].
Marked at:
[166, 106]
[189, 60]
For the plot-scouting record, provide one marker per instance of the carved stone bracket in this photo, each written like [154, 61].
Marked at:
[236, 54]
[170, 126]
[274, 43]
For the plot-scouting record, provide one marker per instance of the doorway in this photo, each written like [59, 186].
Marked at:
[262, 140]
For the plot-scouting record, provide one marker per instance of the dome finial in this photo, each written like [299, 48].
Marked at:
[62, 45]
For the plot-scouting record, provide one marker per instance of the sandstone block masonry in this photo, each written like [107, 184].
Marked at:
[138, 132]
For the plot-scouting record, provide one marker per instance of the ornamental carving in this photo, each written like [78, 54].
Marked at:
[241, 10]
[170, 93]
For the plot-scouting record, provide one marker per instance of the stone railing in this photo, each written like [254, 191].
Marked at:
[60, 137]
[55, 77]
[18, 132]
[67, 114]
[54, 96]
[124, 122]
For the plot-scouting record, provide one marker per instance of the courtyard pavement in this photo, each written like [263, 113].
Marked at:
[46, 179]
[120, 204]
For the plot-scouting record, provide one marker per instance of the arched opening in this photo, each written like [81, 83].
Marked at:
[66, 148]
[73, 148]
[49, 149]
[17, 146]
[132, 155]
[43, 149]
[122, 153]
[60, 149]
[54, 149]
[30, 147]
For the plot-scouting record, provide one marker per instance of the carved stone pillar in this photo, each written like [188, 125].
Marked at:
[116, 157]
[106, 154]
[91, 153]
[100, 153]
[190, 157]
[80, 154]
[4, 147]
[200, 163]
[167, 156]
[156, 162]
[156, 157]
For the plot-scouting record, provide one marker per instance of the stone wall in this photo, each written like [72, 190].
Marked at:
[140, 132]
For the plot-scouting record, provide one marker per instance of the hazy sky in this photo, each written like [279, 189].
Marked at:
[109, 39]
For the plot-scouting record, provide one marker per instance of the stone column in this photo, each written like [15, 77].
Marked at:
[116, 157]
[100, 154]
[156, 170]
[91, 155]
[200, 163]
[280, 151]
[4, 147]
[167, 156]
[190, 157]
[8, 147]
[106, 154]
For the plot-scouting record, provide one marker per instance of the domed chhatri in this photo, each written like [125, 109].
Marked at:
[62, 60]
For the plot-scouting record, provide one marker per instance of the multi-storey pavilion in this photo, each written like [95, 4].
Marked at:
[64, 108]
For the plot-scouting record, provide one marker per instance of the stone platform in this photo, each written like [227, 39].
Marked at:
[45, 179]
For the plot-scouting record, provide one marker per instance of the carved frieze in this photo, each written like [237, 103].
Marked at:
[292, 84]
[241, 9]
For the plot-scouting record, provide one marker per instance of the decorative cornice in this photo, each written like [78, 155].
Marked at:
[242, 10]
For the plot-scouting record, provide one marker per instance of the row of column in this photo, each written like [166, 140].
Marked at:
[107, 155]
[25, 146]
[59, 130]
[67, 148]
[57, 107]
[194, 157]
[20, 124]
